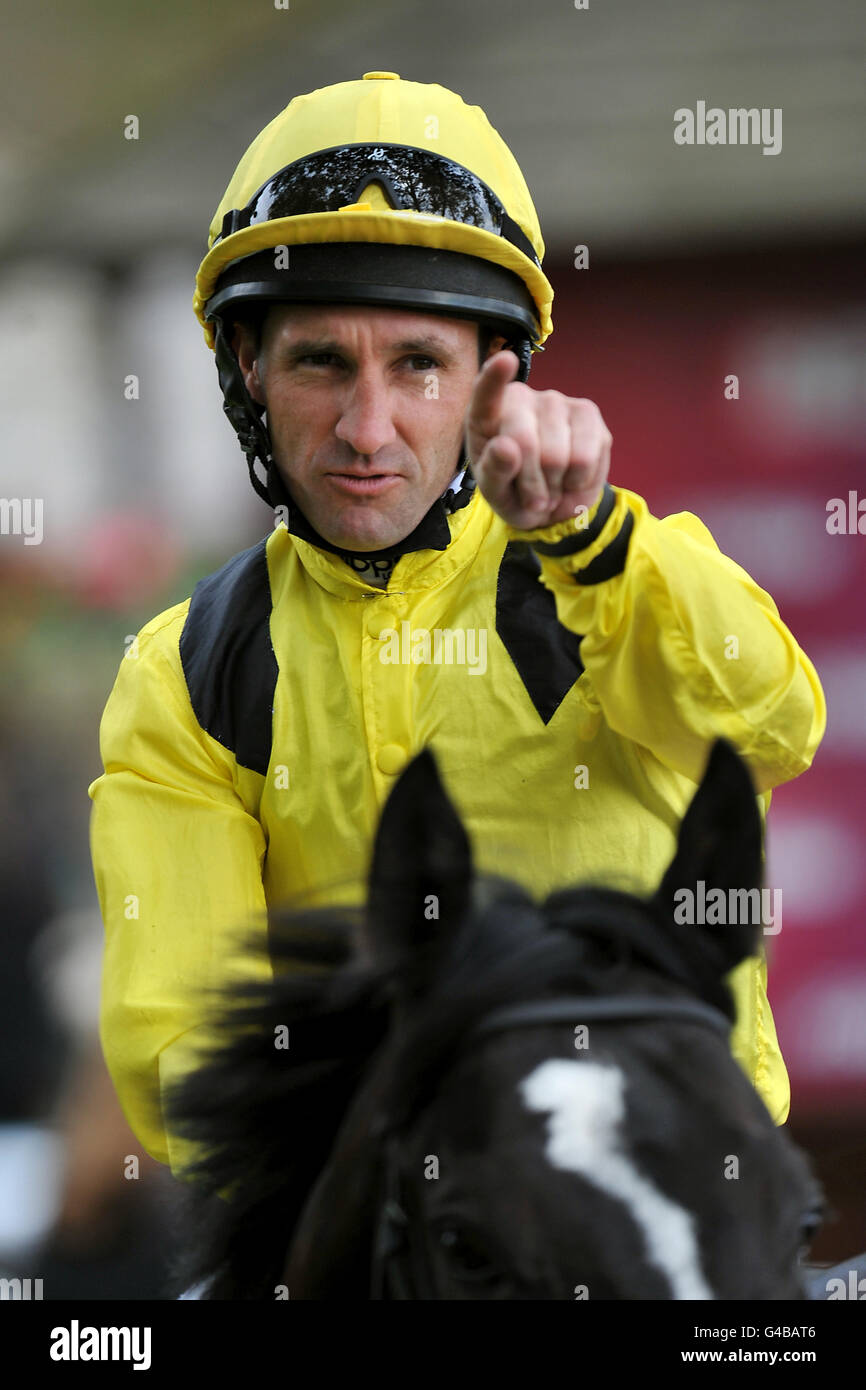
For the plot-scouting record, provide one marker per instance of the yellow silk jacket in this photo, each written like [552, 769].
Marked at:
[570, 681]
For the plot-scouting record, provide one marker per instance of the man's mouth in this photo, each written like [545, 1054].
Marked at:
[363, 484]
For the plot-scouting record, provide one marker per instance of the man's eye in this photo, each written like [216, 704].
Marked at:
[426, 363]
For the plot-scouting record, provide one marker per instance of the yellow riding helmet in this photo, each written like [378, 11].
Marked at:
[434, 174]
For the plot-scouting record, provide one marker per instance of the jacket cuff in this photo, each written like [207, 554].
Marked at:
[592, 546]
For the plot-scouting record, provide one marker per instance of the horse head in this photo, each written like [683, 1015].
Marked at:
[494, 1098]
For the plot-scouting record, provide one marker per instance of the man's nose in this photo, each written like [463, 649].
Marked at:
[366, 419]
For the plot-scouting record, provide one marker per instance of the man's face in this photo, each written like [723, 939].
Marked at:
[365, 409]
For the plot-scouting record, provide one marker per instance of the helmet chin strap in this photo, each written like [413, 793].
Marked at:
[244, 414]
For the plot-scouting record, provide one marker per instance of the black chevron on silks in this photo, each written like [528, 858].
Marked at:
[228, 659]
[544, 651]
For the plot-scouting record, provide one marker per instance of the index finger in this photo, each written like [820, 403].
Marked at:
[485, 406]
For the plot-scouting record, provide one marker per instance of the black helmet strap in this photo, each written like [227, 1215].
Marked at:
[244, 414]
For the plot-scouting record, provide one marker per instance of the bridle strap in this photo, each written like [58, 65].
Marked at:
[390, 1239]
[627, 1009]
[392, 1253]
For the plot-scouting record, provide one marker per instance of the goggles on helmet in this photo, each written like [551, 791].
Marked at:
[415, 180]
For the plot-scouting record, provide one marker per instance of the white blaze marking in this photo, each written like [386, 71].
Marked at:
[585, 1101]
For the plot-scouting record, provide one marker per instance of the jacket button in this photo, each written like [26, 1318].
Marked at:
[378, 623]
[391, 759]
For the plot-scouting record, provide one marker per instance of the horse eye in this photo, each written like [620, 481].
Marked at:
[466, 1252]
[810, 1224]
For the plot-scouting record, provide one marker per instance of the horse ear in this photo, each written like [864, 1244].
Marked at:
[421, 874]
[718, 848]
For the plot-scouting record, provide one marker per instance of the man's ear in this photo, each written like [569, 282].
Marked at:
[496, 345]
[247, 349]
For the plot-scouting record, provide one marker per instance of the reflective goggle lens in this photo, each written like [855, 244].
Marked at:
[415, 180]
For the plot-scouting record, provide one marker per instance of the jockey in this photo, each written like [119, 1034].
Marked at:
[448, 566]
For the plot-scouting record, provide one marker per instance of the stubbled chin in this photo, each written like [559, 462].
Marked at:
[368, 532]
[372, 523]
